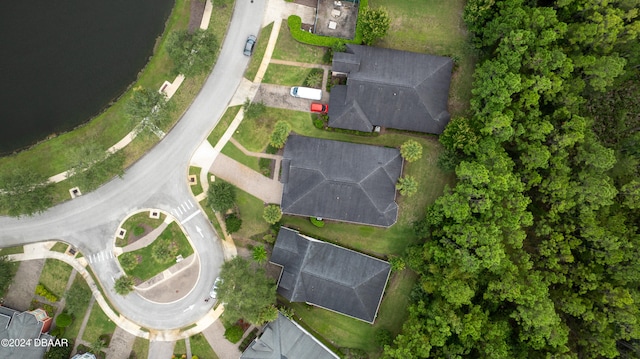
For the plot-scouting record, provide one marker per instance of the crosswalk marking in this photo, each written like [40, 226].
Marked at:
[100, 256]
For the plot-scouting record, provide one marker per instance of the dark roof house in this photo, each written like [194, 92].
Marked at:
[340, 181]
[284, 339]
[329, 276]
[390, 88]
[24, 325]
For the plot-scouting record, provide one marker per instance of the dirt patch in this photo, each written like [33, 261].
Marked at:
[195, 18]
[133, 238]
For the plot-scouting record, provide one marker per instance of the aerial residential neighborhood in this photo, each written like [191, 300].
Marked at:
[322, 179]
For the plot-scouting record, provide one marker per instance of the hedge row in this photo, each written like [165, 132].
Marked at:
[295, 27]
[44, 292]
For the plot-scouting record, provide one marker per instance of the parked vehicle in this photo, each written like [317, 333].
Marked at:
[319, 107]
[214, 290]
[306, 92]
[248, 46]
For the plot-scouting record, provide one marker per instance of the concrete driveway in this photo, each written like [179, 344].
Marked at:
[248, 180]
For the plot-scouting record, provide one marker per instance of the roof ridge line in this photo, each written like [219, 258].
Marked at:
[309, 189]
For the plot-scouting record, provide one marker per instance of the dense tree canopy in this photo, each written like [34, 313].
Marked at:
[535, 252]
[247, 292]
[192, 53]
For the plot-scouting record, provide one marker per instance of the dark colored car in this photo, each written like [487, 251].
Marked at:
[248, 46]
[319, 107]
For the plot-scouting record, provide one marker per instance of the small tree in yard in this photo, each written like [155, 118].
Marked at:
[124, 285]
[221, 196]
[407, 186]
[272, 213]
[63, 320]
[375, 24]
[259, 254]
[253, 110]
[280, 134]
[411, 150]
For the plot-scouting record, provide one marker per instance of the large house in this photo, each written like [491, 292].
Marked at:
[390, 88]
[340, 181]
[329, 276]
[24, 326]
[282, 339]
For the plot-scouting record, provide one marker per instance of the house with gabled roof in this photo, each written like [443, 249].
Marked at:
[340, 181]
[284, 338]
[24, 326]
[390, 88]
[329, 276]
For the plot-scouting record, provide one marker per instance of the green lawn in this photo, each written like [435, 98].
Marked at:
[71, 331]
[11, 250]
[433, 27]
[136, 220]
[223, 124]
[289, 49]
[55, 275]
[345, 332]
[200, 347]
[149, 267]
[286, 75]
[140, 348]
[258, 52]
[250, 209]
[197, 188]
[60, 247]
[180, 348]
[234, 152]
[97, 325]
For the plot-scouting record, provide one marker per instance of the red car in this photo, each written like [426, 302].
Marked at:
[319, 107]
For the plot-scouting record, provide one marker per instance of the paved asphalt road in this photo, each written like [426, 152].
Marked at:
[158, 180]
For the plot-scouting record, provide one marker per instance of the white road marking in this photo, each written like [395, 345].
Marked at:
[190, 216]
[182, 206]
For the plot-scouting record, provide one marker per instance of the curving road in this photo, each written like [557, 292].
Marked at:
[158, 180]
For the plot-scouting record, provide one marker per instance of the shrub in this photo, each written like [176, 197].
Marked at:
[397, 264]
[356, 353]
[374, 24]
[57, 332]
[124, 285]
[411, 150]
[314, 78]
[128, 261]
[317, 222]
[63, 320]
[234, 333]
[280, 133]
[259, 254]
[318, 123]
[272, 213]
[164, 251]
[138, 231]
[44, 292]
[269, 238]
[233, 223]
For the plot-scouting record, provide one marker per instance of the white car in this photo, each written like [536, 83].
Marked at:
[214, 290]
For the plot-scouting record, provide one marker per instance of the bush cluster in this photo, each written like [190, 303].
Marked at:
[44, 292]
[316, 222]
[234, 333]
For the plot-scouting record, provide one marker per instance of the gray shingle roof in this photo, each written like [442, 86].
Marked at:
[391, 88]
[21, 325]
[329, 276]
[340, 181]
[284, 339]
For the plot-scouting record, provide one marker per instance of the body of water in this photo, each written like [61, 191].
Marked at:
[63, 62]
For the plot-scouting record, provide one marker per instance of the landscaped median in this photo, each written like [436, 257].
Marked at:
[161, 254]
